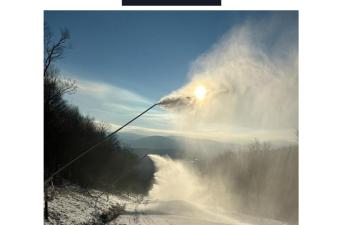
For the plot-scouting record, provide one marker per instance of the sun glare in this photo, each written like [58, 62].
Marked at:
[200, 92]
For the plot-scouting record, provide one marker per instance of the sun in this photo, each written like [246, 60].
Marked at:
[200, 92]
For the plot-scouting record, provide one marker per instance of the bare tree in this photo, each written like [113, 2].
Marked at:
[54, 50]
[54, 85]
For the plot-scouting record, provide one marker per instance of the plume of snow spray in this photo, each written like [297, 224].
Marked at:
[180, 188]
[251, 77]
[176, 102]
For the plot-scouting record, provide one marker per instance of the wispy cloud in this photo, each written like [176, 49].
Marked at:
[112, 104]
[108, 91]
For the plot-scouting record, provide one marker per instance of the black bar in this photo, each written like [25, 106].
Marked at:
[171, 2]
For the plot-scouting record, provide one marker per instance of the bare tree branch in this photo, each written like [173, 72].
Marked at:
[54, 86]
[54, 50]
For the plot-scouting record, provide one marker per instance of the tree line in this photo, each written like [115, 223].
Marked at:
[259, 180]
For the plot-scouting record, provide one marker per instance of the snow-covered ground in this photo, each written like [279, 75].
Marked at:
[74, 205]
[184, 213]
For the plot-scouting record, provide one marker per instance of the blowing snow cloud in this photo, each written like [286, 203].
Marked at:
[251, 78]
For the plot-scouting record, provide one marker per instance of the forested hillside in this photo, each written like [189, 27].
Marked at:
[67, 133]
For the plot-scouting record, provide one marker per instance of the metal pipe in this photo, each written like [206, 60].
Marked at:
[96, 145]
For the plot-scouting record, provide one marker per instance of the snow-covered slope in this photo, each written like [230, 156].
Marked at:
[74, 205]
[178, 197]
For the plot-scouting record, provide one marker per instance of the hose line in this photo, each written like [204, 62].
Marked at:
[95, 145]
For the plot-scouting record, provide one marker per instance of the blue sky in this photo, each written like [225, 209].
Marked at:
[125, 60]
[147, 52]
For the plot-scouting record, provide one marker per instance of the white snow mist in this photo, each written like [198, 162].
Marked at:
[251, 77]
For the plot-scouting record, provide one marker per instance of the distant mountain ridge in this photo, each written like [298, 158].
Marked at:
[154, 142]
[127, 137]
[173, 146]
